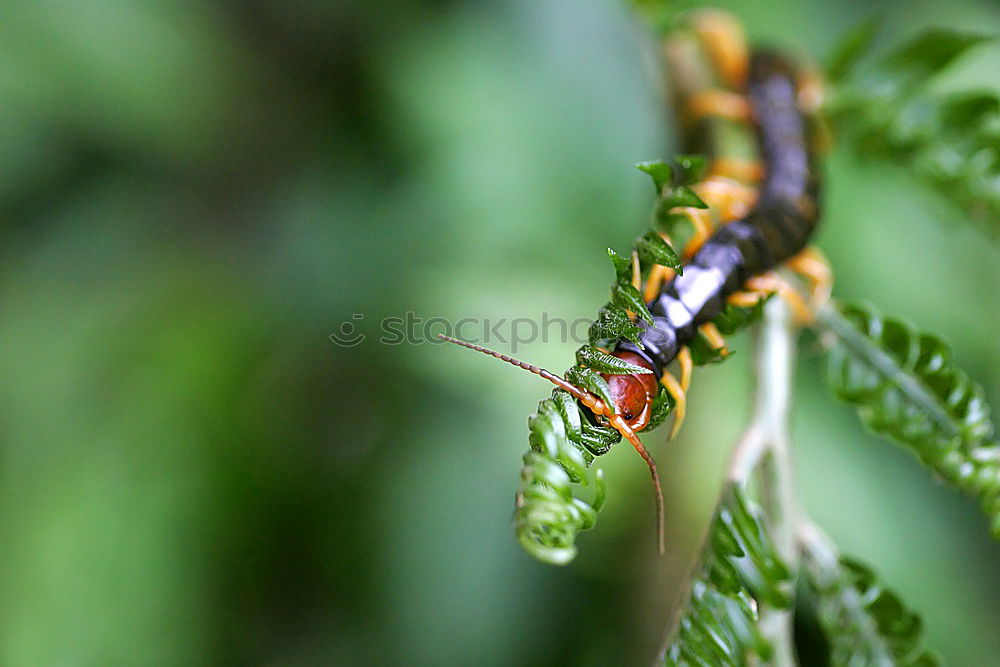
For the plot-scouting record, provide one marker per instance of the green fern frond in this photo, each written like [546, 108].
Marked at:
[952, 142]
[864, 623]
[905, 387]
[673, 190]
[661, 172]
[611, 324]
[548, 513]
[652, 249]
[661, 408]
[692, 168]
[852, 47]
[739, 573]
[672, 183]
[602, 362]
[590, 380]
[625, 295]
[908, 67]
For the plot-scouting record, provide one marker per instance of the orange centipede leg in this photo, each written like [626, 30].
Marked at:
[654, 282]
[812, 90]
[718, 103]
[714, 338]
[811, 97]
[728, 198]
[686, 363]
[814, 267]
[746, 171]
[770, 282]
[746, 299]
[701, 221]
[680, 400]
[725, 42]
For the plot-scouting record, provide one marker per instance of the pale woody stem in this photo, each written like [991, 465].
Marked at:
[765, 450]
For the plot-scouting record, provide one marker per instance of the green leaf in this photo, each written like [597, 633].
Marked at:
[703, 354]
[625, 295]
[912, 64]
[669, 221]
[905, 387]
[734, 318]
[948, 141]
[969, 109]
[658, 170]
[590, 380]
[602, 362]
[623, 265]
[661, 408]
[611, 324]
[854, 45]
[739, 574]
[548, 512]
[547, 435]
[652, 249]
[865, 623]
[598, 440]
[572, 423]
[688, 170]
[680, 196]
[691, 167]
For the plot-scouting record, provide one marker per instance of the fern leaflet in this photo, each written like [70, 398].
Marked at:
[905, 387]
[739, 573]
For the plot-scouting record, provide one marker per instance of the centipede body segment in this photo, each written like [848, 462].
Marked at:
[777, 228]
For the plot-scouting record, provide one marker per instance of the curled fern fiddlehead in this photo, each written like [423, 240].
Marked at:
[905, 387]
[548, 514]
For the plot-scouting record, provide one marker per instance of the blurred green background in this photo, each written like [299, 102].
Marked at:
[194, 196]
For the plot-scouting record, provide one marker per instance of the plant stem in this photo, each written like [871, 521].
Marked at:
[774, 360]
[764, 452]
[774, 354]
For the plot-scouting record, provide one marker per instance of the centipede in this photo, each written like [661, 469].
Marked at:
[742, 214]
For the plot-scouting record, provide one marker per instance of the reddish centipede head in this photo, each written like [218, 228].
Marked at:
[633, 394]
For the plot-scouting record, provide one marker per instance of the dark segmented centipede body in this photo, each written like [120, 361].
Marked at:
[777, 228]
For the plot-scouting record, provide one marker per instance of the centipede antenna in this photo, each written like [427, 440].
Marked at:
[619, 423]
[575, 391]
